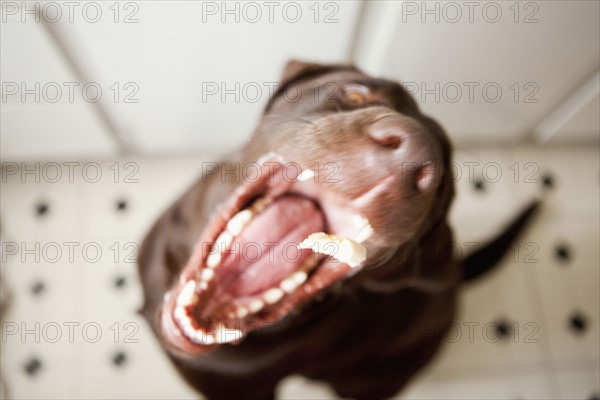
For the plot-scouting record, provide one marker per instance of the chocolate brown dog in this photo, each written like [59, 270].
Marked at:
[322, 248]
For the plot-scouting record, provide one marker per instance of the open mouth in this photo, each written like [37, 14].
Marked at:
[273, 246]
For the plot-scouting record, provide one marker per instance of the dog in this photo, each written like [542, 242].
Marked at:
[321, 248]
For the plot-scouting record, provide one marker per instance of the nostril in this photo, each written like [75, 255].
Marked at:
[426, 176]
[388, 139]
[388, 132]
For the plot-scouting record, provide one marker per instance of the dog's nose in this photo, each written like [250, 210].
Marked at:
[411, 150]
[388, 131]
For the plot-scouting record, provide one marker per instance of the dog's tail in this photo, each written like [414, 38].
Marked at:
[486, 257]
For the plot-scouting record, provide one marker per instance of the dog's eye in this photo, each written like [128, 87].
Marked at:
[356, 94]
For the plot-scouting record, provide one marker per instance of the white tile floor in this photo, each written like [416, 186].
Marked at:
[535, 293]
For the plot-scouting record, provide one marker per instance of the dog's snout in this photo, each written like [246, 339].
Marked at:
[388, 131]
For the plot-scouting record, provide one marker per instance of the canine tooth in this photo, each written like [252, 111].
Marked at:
[256, 305]
[241, 312]
[343, 249]
[239, 221]
[225, 335]
[187, 296]
[203, 285]
[273, 295]
[207, 274]
[288, 285]
[306, 175]
[299, 277]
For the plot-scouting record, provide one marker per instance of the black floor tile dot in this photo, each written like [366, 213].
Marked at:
[478, 185]
[42, 209]
[502, 329]
[121, 205]
[38, 288]
[563, 253]
[548, 181]
[578, 323]
[33, 366]
[119, 359]
[120, 282]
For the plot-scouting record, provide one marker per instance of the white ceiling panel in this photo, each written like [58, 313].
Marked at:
[155, 62]
[47, 122]
[177, 49]
[537, 57]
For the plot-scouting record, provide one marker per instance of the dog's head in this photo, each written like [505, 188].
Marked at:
[376, 152]
[337, 152]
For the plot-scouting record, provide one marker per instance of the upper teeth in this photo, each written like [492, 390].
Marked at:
[207, 274]
[221, 245]
[213, 260]
[188, 295]
[234, 228]
[239, 222]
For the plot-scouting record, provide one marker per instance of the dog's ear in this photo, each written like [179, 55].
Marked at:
[296, 68]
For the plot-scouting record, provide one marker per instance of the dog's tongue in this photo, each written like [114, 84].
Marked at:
[266, 251]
